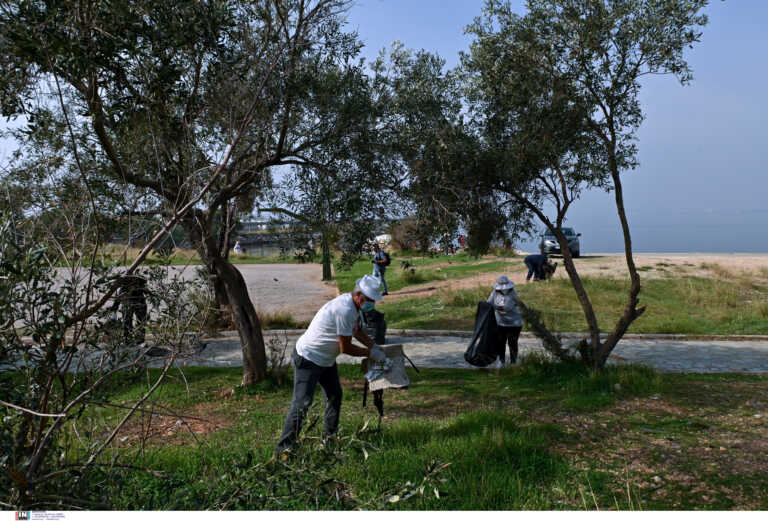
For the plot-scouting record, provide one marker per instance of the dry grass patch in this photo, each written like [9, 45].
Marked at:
[189, 425]
[278, 320]
[704, 448]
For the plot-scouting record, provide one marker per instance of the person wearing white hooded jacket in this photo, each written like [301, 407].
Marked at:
[509, 320]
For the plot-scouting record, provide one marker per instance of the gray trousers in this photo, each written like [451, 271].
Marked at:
[306, 376]
[378, 272]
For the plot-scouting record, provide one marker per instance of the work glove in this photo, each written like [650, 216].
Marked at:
[377, 354]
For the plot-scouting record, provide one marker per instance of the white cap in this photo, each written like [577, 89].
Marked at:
[504, 283]
[369, 285]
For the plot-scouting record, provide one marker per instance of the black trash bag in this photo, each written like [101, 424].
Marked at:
[375, 326]
[482, 349]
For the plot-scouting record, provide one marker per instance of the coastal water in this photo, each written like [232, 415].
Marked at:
[671, 238]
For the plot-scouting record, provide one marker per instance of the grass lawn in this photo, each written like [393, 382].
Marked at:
[685, 305]
[539, 436]
[114, 253]
[416, 259]
[451, 267]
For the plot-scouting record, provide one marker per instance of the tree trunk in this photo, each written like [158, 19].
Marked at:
[587, 350]
[631, 311]
[223, 316]
[246, 320]
[327, 274]
[230, 288]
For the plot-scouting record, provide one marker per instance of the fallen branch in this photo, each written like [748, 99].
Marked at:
[154, 472]
[551, 343]
[151, 411]
[158, 473]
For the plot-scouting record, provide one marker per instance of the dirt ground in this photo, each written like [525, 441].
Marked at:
[700, 445]
[650, 265]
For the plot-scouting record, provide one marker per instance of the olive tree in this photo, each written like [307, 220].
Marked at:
[167, 98]
[420, 141]
[555, 95]
[342, 189]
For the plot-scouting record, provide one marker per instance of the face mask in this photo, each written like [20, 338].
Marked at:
[368, 306]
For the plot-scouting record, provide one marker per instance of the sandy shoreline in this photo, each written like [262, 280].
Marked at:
[613, 265]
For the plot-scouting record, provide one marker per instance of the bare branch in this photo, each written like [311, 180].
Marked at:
[119, 426]
[30, 411]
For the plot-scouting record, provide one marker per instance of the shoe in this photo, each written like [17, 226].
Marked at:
[282, 455]
[385, 293]
[330, 442]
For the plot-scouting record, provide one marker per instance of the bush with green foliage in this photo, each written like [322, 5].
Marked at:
[61, 347]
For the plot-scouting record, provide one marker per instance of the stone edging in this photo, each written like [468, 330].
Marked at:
[468, 334]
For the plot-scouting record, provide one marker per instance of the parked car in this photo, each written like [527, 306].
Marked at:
[549, 244]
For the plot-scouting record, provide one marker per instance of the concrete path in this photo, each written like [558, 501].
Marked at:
[665, 354]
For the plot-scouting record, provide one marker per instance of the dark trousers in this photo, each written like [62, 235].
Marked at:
[139, 310]
[535, 269]
[508, 335]
[306, 376]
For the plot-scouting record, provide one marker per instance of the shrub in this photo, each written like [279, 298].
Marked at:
[408, 235]
[305, 255]
[411, 276]
[277, 320]
[60, 348]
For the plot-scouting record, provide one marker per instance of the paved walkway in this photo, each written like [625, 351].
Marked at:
[665, 354]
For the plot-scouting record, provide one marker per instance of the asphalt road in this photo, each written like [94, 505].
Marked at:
[295, 288]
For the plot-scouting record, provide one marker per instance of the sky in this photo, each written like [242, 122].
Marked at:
[701, 185]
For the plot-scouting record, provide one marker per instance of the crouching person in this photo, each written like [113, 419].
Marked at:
[314, 358]
[540, 267]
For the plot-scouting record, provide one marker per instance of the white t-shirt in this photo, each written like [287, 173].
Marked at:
[320, 342]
